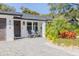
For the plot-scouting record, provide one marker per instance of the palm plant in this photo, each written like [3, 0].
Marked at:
[28, 11]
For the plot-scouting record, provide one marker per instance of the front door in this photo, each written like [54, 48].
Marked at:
[2, 29]
[17, 28]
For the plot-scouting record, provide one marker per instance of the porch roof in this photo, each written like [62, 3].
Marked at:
[36, 17]
[33, 17]
[10, 13]
[27, 16]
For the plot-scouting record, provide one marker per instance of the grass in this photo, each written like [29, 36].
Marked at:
[66, 42]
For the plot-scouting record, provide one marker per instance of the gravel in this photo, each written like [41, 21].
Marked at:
[29, 47]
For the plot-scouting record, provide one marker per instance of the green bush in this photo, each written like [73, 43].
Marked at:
[77, 31]
[60, 24]
[57, 25]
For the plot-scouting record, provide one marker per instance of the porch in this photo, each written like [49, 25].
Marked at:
[27, 29]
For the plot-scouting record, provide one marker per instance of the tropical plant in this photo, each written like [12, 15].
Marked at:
[59, 25]
[68, 35]
[64, 26]
[4, 7]
[70, 10]
[28, 11]
[55, 26]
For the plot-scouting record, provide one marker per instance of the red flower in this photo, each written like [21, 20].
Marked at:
[70, 35]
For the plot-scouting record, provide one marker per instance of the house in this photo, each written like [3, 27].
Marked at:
[17, 25]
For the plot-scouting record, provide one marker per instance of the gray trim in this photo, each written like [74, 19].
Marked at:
[27, 16]
[31, 19]
[39, 17]
[11, 13]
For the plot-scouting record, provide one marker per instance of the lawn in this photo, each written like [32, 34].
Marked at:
[66, 42]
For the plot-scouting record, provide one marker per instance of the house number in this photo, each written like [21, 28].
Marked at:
[9, 22]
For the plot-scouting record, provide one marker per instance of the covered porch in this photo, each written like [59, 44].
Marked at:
[28, 29]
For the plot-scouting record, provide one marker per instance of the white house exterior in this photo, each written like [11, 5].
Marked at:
[17, 25]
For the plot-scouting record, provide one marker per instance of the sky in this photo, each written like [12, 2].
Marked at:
[42, 8]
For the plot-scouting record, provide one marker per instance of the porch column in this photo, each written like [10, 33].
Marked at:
[9, 29]
[43, 29]
[26, 29]
[32, 26]
[39, 28]
[23, 28]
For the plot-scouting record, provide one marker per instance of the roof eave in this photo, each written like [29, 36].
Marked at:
[30, 19]
[11, 13]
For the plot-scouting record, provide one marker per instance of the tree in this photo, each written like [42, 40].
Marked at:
[28, 11]
[47, 15]
[4, 7]
[69, 10]
[72, 13]
[59, 7]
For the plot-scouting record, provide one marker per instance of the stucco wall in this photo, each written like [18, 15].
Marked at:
[9, 27]
[40, 27]
[23, 28]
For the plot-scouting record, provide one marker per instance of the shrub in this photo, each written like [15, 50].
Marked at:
[53, 28]
[77, 31]
[69, 35]
[59, 28]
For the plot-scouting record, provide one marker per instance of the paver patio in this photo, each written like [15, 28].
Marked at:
[29, 47]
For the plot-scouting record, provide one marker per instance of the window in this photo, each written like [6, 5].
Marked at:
[9, 22]
[35, 26]
[29, 27]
